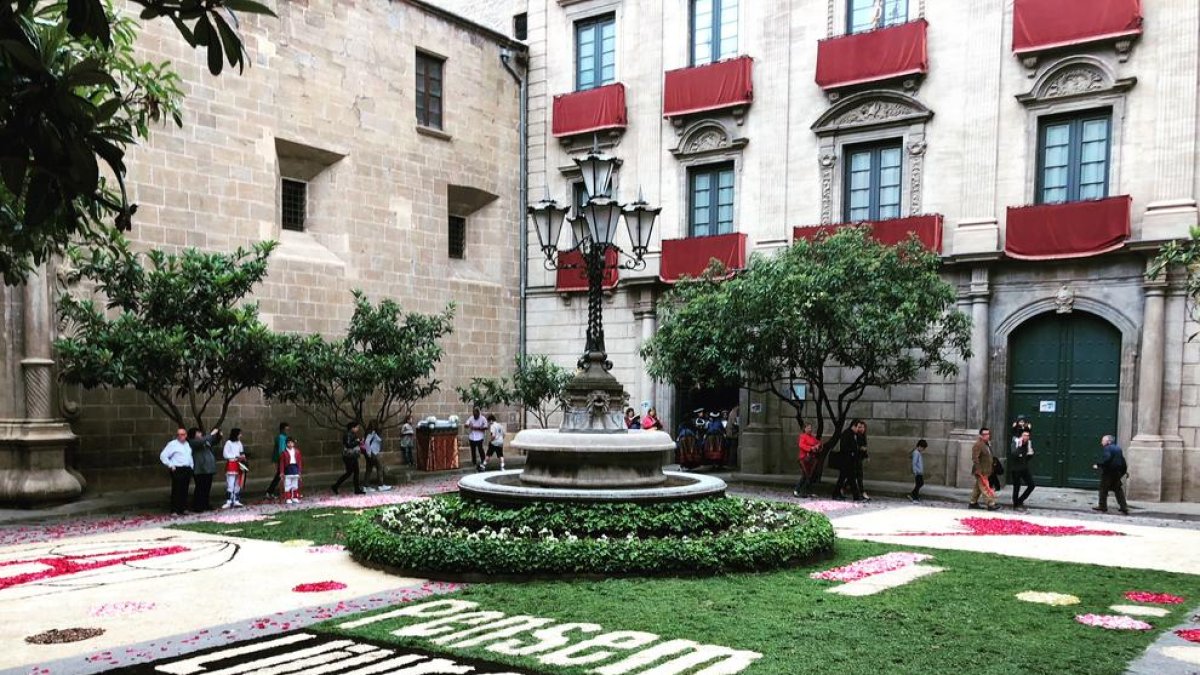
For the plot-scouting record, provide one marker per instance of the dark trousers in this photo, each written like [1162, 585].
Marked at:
[200, 498]
[406, 451]
[274, 482]
[918, 483]
[847, 478]
[1020, 476]
[351, 464]
[858, 481]
[1112, 482]
[181, 478]
[477, 456]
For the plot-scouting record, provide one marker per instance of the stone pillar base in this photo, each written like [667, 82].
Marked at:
[1168, 219]
[1146, 457]
[958, 458]
[33, 463]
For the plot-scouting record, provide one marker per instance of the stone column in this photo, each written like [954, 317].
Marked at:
[978, 368]
[33, 449]
[1155, 461]
[646, 314]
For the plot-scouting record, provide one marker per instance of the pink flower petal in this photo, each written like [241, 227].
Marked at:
[319, 586]
[868, 567]
[1111, 622]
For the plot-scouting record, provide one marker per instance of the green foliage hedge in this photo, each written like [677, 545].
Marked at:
[453, 537]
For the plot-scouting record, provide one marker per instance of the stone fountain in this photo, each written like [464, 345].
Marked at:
[592, 457]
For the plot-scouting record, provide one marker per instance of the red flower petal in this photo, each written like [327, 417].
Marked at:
[319, 586]
[1154, 598]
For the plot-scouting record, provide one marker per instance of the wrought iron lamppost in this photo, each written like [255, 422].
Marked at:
[594, 394]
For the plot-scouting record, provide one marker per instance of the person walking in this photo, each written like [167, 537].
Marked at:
[234, 453]
[918, 470]
[408, 440]
[861, 461]
[351, 445]
[285, 430]
[1113, 469]
[374, 460]
[981, 467]
[477, 426]
[847, 461]
[289, 466]
[1019, 460]
[496, 443]
[810, 448]
[204, 466]
[176, 455]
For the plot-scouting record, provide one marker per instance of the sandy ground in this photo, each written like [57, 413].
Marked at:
[1139, 547]
[145, 584]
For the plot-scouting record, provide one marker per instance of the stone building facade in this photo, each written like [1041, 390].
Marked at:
[396, 198]
[1046, 152]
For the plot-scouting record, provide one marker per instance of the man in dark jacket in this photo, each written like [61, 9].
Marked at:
[848, 460]
[205, 466]
[1019, 460]
[351, 449]
[1112, 469]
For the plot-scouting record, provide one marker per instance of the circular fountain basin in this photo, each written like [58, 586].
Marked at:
[591, 466]
[506, 487]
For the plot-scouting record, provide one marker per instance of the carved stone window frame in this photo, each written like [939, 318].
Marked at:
[1075, 84]
[701, 143]
[865, 118]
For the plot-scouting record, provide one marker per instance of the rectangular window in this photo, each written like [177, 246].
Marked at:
[1073, 156]
[714, 30]
[429, 90]
[294, 204]
[595, 52]
[865, 15]
[458, 237]
[521, 26]
[873, 179]
[710, 205]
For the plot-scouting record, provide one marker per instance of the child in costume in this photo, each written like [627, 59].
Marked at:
[290, 465]
[234, 455]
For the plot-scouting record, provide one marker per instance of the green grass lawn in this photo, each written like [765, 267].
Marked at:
[962, 620]
[321, 526]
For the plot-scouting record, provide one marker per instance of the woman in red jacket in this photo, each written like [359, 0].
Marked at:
[810, 449]
[290, 466]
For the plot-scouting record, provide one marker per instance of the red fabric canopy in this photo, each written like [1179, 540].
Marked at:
[877, 55]
[1071, 230]
[583, 112]
[890, 232]
[691, 256]
[1046, 24]
[575, 279]
[724, 84]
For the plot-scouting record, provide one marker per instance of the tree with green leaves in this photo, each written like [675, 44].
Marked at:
[880, 313]
[1184, 254]
[375, 374]
[537, 385]
[176, 329]
[73, 96]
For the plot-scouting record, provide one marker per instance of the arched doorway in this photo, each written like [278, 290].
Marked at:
[1065, 376]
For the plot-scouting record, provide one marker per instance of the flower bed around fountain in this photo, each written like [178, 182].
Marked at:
[455, 538]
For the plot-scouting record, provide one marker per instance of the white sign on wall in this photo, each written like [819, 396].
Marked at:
[1047, 406]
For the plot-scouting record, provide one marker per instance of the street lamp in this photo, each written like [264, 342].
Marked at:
[594, 393]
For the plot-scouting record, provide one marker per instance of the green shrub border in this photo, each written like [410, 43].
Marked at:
[800, 537]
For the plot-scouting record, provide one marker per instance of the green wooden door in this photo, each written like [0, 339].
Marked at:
[1064, 376]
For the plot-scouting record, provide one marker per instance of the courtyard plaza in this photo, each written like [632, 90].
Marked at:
[910, 588]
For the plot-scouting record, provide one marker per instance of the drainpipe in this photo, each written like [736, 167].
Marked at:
[507, 57]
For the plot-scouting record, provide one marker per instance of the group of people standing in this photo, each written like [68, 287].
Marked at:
[190, 456]
[357, 448]
[847, 455]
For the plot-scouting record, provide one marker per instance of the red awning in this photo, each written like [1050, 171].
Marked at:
[725, 84]
[583, 112]
[575, 279]
[884, 54]
[691, 256]
[1072, 230]
[890, 232]
[1046, 24]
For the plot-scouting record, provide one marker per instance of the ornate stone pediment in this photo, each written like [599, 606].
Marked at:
[871, 109]
[707, 137]
[1075, 77]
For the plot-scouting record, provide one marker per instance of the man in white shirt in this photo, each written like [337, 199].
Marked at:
[477, 424]
[177, 457]
[496, 445]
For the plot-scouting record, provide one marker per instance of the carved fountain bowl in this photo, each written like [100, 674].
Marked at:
[591, 467]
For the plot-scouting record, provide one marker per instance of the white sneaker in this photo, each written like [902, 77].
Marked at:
[227, 505]
[501, 466]
[384, 488]
[291, 501]
[237, 503]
